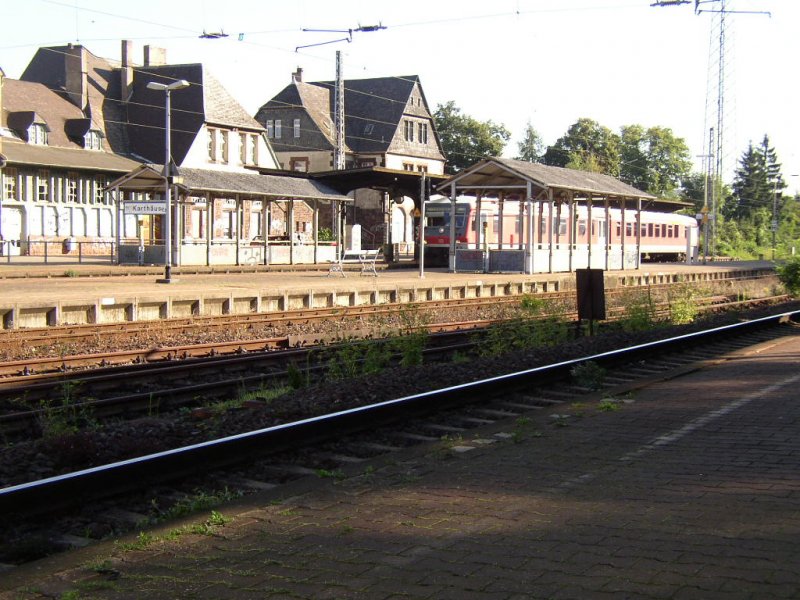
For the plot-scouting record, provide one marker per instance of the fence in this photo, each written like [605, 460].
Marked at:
[56, 252]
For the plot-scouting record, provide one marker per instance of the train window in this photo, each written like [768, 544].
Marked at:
[650, 229]
[644, 230]
[670, 231]
[517, 225]
[619, 230]
[657, 230]
[542, 227]
[562, 226]
[496, 224]
[581, 227]
[629, 229]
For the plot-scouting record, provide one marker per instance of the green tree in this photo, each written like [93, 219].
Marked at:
[466, 140]
[588, 146]
[531, 148]
[653, 159]
[757, 183]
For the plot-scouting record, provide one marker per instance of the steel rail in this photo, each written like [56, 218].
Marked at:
[73, 488]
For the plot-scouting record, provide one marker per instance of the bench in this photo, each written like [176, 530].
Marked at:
[365, 258]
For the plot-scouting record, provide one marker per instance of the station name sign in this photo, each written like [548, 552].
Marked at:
[145, 208]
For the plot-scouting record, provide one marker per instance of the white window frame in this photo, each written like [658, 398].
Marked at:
[10, 183]
[37, 134]
[296, 127]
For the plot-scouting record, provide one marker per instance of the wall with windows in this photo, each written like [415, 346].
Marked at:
[53, 204]
[228, 149]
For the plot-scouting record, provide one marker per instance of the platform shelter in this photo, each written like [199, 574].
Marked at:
[547, 200]
[220, 217]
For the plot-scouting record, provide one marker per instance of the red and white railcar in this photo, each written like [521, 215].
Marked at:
[561, 241]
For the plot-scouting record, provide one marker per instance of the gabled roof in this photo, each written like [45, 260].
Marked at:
[374, 108]
[378, 102]
[204, 101]
[500, 173]
[299, 95]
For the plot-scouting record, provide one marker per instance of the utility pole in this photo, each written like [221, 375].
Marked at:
[720, 9]
[338, 112]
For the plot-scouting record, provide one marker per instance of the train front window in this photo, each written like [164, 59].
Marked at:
[443, 220]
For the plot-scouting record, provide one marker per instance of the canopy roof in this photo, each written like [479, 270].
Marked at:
[150, 178]
[395, 182]
[493, 175]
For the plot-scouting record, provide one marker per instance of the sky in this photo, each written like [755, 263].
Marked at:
[543, 62]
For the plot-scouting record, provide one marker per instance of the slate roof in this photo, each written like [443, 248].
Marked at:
[49, 67]
[55, 111]
[21, 153]
[505, 171]
[379, 102]
[205, 100]
[225, 182]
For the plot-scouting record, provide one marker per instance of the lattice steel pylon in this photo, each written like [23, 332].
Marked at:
[716, 123]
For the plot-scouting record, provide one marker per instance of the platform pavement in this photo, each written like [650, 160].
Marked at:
[42, 283]
[691, 490]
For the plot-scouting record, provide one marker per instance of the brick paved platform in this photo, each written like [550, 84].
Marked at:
[690, 490]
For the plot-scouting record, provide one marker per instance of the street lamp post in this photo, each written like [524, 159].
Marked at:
[168, 175]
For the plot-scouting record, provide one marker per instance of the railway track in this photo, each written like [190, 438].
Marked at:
[332, 441]
[143, 387]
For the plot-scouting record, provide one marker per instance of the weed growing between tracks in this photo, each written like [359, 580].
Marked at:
[534, 323]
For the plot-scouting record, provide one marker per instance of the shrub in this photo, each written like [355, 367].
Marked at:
[789, 275]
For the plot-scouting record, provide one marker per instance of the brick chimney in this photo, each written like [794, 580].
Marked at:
[297, 76]
[154, 56]
[76, 84]
[126, 70]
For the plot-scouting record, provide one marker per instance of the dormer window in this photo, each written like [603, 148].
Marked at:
[37, 134]
[93, 140]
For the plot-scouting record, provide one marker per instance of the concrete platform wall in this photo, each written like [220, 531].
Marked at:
[22, 314]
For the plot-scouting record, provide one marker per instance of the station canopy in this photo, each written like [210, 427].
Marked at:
[150, 178]
[495, 177]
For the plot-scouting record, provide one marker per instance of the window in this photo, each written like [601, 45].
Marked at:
[650, 229]
[92, 140]
[423, 133]
[212, 144]
[270, 129]
[229, 224]
[408, 130]
[296, 127]
[37, 134]
[72, 187]
[9, 183]
[422, 168]
[242, 148]
[43, 185]
[629, 229]
[299, 164]
[369, 128]
[254, 148]
[277, 129]
[408, 166]
[100, 196]
[224, 146]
